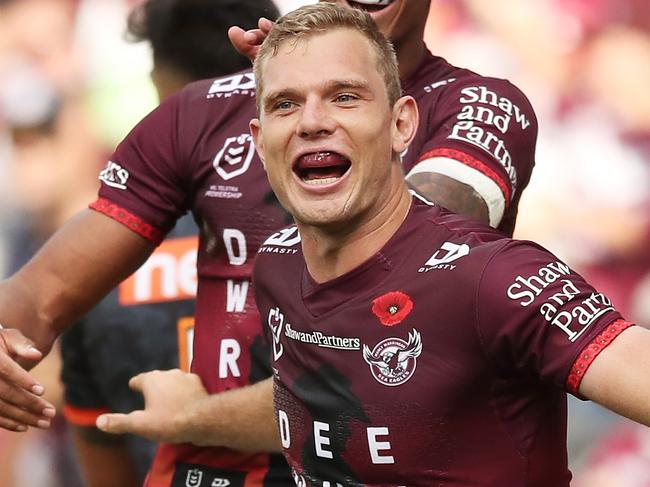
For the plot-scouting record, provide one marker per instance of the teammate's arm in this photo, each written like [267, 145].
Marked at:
[450, 193]
[86, 258]
[178, 409]
[618, 377]
[96, 450]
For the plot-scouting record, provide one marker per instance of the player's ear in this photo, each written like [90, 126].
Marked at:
[405, 123]
[255, 128]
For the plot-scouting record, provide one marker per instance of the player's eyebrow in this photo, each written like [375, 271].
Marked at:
[329, 87]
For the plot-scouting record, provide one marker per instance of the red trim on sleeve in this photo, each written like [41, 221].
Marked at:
[473, 163]
[128, 219]
[81, 416]
[591, 351]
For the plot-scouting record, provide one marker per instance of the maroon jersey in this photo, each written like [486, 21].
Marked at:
[442, 360]
[194, 153]
[480, 131]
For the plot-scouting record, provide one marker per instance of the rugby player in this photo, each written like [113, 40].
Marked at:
[410, 345]
[194, 153]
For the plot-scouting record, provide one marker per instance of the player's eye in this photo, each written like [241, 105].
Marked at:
[345, 98]
[284, 105]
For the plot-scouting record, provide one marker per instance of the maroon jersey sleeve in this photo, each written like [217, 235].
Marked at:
[540, 318]
[482, 132]
[143, 183]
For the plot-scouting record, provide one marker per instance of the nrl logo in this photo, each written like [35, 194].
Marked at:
[392, 361]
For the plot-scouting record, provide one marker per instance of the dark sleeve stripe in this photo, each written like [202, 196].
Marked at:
[82, 416]
[128, 219]
[473, 163]
[591, 351]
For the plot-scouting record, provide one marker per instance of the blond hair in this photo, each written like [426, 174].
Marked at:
[323, 17]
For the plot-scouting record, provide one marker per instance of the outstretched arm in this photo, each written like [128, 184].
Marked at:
[84, 260]
[618, 378]
[178, 409]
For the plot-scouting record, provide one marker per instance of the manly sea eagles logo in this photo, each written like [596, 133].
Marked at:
[392, 361]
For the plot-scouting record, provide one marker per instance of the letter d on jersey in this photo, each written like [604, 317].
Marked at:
[276, 321]
[453, 252]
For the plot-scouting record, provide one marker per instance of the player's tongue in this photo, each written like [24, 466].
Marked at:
[321, 168]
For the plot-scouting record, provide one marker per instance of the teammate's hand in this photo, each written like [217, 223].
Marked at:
[247, 42]
[167, 395]
[20, 403]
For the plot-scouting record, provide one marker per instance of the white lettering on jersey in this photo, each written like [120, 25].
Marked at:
[235, 156]
[114, 175]
[236, 294]
[232, 236]
[321, 441]
[467, 131]
[228, 355]
[575, 321]
[376, 446]
[528, 288]
[481, 94]
[283, 424]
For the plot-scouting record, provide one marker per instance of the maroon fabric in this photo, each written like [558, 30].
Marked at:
[194, 153]
[464, 387]
[476, 118]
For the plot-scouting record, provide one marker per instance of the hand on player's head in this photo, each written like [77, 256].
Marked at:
[247, 42]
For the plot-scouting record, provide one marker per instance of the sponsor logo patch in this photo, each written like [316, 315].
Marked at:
[275, 321]
[235, 156]
[238, 84]
[280, 242]
[563, 304]
[114, 175]
[188, 475]
[392, 361]
[443, 257]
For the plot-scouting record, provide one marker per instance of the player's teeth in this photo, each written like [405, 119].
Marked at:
[319, 182]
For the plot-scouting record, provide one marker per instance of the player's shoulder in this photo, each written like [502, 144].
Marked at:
[436, 76]
[234, 91]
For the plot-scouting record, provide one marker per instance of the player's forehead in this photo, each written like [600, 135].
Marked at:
[338, 56]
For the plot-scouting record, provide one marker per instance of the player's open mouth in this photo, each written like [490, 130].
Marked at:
[321, 168]
[370, 5]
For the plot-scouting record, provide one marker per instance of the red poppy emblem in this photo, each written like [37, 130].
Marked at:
[392, 307]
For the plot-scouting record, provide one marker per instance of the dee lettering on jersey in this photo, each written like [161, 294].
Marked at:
[377, 440]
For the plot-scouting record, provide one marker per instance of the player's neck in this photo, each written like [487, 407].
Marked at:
[409, 55]
[330, 254]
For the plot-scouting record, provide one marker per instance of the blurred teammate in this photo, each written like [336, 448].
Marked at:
[114, 341]
[194, 153]
[411, 346]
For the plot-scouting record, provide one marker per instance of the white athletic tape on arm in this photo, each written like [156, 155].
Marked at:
[483, 185]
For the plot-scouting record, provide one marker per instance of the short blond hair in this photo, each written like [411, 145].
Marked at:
[321, 18]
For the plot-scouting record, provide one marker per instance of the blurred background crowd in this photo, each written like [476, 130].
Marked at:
[72, 85]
